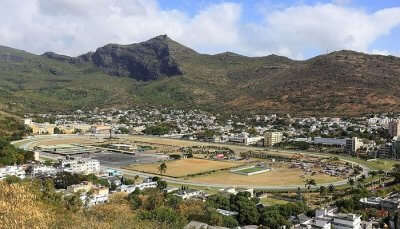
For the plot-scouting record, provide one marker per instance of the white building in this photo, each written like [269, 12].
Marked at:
[17, 171]
[188, 194]
[327, 219]
[346, 221]
[234, 191]
[142, 186]
[272, 138]
[252, 140]
[239, 138]
[43, 170]
[81, 165]
[99, 194]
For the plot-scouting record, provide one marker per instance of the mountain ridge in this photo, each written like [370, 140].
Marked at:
[161, 71]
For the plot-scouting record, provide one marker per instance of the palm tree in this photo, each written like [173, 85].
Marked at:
[309, 183]
[163, 168]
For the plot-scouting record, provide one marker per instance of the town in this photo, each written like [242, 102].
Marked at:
[371, 136]
[339, 172]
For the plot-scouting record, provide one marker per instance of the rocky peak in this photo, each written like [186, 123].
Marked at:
[149, 60]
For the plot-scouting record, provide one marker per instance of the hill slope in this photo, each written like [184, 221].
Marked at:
[161, 71]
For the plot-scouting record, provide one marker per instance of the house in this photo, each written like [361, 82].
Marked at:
[234, 191]
[142, 186]
[188, 194]
[98, 194]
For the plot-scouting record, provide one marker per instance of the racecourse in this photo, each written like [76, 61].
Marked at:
[281, 184]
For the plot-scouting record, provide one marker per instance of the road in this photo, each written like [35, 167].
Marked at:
[29, 143]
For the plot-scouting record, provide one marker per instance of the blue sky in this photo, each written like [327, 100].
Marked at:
[253, 11]
[299, 29]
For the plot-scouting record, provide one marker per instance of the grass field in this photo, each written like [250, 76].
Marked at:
[275, 177]
[272, 201]
[382, 164]
[181, 168]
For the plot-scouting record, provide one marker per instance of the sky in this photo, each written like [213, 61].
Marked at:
[299, 29]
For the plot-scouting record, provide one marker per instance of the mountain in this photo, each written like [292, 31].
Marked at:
[161, 71]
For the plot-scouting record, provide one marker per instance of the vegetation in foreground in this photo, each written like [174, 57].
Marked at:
[36, 204]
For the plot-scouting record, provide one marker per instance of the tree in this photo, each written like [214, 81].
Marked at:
[162, 168]
[351, 182]
[12, 179]
[74, 202]
[322, 192]
[58, 131]
[331, 190]
[396, 172]
[173, 201]
[10, 155]
[135, 200]
[161, 185]
[309, 183]
[123, 130]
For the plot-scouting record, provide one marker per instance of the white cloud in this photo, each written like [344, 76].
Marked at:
[380, 52]
[76, 26]
[324, 27]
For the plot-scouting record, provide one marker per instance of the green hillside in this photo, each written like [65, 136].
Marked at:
[161, 71]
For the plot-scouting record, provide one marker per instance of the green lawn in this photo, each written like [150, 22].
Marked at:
[251, 170]
[380, 164]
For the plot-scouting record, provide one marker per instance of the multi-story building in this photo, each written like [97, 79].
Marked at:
[353, 144]
[38, 170]
[81, 165]
[327, 218]
[239, 138]
[394, 128]
[40, 128]
[272, 138]
[346, 221]
[396, 149]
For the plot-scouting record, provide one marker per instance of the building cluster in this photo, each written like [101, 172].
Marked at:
[328, 218]
[390, 203]
[89, 193]
[18, 171]
[359, 135]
